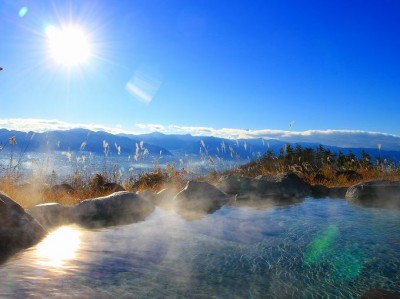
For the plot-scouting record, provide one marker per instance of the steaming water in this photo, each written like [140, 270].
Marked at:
[39, 164]
[318, 248]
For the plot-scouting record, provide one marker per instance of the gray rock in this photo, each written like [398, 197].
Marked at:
[199, 198]
[235, 184]
[164, 198]
[18, 229]
[50, 215]
[319, 191]
[378, 193]
[147, 194]
[338, 192]
[118, 208]
[282, 186]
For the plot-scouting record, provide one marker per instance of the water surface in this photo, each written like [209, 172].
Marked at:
[317, 248]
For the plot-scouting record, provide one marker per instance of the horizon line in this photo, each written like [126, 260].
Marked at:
[38, 125]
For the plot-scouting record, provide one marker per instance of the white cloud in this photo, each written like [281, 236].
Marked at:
[151, 127]
[43, 125]
[207, 131]
[341, 138]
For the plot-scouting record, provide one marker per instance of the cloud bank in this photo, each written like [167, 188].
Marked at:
[341, 138]
[43, 125]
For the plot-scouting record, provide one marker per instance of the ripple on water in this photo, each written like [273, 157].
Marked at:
[314, 249]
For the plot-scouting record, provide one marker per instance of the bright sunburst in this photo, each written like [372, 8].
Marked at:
[68, 46]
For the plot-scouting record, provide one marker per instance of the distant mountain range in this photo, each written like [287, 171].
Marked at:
[174, 146]
[77, 140]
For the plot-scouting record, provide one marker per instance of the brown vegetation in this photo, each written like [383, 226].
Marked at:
[321, 166]
[315, 166]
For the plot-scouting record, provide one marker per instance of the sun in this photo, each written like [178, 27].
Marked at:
[68, 46]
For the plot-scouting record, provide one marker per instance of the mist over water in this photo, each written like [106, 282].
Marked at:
[317, 248]
[63, 164]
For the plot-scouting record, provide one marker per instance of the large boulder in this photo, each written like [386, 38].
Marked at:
[115, 209]
[50, 215]
[379, 193]
[279, 187]
[338, 192]
[235, 184]
[18, 229]
[284, 185]
[199, 198]
[163, 198]
[319, 191]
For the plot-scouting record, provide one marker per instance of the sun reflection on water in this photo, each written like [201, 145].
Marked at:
[59, 247]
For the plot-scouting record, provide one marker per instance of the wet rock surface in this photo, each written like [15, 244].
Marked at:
[235, 184]
[115, 209]
[285, 185]
[279, 187]
[199, 198]
[379, 193]
[321, 191]
[118, 208]
[18, 229]
[337, 192]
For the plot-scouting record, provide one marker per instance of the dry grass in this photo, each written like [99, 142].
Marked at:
[326, 175]
[38, 191]
[304, 162]
[79, 187]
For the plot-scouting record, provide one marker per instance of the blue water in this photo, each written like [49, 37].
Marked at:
[318, 248]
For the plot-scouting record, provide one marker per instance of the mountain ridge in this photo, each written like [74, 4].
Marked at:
[158, 143]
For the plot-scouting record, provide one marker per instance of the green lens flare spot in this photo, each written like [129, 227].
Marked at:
[347, 265]
[321, 245]
[23, 11]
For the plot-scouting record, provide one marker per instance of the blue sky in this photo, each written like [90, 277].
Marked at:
[216, 64]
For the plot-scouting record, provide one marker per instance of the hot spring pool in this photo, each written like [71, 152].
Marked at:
[315, 249]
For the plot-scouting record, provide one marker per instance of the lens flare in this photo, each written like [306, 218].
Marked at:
[321, 245]
[23, 11]
[144, 84]
[347, 264]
